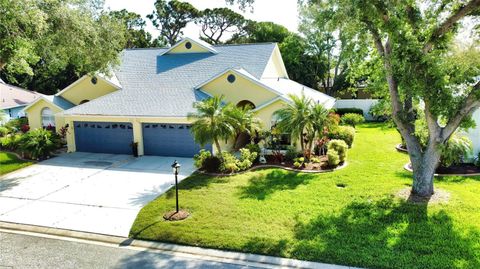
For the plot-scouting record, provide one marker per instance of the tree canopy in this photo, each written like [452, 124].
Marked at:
[218, 21]
[171, 17]
[47, 45]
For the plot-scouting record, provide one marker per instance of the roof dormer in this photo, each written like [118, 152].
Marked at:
[190, 45]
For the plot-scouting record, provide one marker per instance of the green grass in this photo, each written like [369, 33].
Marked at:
[10, 162]
[306, 216]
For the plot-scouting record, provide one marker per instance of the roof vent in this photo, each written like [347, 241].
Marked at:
[94, 80]
[188, 45]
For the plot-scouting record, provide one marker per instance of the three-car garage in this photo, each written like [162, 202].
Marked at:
[161, 139]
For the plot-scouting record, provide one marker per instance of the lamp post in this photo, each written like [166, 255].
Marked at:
[176, 214]
[176, 168]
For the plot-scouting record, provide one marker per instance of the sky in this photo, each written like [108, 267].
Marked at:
[283, 12]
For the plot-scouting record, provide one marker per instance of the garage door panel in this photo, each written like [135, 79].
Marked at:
[169, 140]
[104, 137]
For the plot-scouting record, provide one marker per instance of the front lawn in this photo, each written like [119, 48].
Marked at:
[309, 217]
[9, 162]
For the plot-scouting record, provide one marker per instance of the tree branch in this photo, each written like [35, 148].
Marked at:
[472, 102]
[448, 23]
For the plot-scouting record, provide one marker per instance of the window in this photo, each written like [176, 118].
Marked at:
[47, 117]
[282, 140]
[188, 45]
[231, 78]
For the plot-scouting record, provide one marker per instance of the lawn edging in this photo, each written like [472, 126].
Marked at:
[400, 149]
[266, 166]
[409, 169]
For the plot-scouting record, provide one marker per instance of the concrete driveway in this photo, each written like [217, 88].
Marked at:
[91, 192]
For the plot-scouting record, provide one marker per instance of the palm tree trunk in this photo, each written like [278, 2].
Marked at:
[219, 149]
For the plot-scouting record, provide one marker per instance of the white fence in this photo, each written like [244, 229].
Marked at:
[363, 104]
[474, 134]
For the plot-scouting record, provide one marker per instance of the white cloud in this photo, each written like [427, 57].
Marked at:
[282, 12]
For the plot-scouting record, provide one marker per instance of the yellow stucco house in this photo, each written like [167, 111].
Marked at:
[149, 95]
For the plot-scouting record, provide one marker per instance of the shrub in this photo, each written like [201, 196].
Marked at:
[10, 142]
[212, 164]
[200, 157]
[340, 147]
[39, 143]
[455, 149]
[299, 162]
[343, 111]
[246, 159]
[381, 111]
[333, 158]
[291, 153]
[4, 131]
[315, 160]
[15, 125]
[25, 128]
[229, 163]
[254, 148]
[345, 133]
[352, 119]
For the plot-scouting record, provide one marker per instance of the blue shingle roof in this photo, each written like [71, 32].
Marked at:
[154, 85]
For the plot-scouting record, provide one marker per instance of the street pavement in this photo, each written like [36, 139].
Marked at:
[28, 251]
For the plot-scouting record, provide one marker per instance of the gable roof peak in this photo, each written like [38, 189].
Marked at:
[198, 42]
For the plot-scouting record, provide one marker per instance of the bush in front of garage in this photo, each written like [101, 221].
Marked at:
[228, 163]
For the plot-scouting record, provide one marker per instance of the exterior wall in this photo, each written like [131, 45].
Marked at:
[363, 104]
[34, 114]
[86, 90]
[182, 49]
[136, 125]
[13, 113]
[275, 67]
[240, 89]
[474, 134]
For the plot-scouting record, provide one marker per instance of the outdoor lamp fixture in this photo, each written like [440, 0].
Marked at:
[176, 168]
[176, 214]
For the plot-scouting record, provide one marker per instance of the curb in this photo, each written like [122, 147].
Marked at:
[204, 252]
[409, 169]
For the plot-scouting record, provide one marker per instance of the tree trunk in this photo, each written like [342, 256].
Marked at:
[424, 166]
[219, 149]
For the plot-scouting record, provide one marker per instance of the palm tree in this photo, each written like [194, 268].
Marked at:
[246, 122]
[295, 117]
[318, 120]
[212, 122]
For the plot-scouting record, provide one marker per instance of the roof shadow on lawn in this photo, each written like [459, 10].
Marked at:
[262, 185]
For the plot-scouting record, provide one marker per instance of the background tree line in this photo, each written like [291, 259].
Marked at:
[46, 45]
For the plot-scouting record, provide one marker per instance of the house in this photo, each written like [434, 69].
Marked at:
[474, 134]
[14, 99]
[149, 95]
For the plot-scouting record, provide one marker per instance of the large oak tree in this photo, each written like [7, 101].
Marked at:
[414, 40]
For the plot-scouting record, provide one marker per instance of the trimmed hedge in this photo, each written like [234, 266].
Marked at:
[343, 111]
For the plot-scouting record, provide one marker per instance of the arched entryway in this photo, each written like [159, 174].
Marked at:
[243, 138]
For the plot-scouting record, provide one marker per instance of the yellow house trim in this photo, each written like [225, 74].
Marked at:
[83, 78]
[275, 62]
[187, 39]
[243, 73]
[38, 100]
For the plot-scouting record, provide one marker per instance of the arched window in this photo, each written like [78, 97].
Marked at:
[245, 103]
[84, 101]
[47, 117]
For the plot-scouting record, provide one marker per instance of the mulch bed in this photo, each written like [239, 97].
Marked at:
[175, 216]
[440, 196]
[322, 165]
[464, 169]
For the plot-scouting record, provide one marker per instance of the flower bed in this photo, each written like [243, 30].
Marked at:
[464, 169]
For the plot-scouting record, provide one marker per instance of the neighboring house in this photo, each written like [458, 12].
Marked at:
[14, 99]
[474, 133]
[148, 97]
